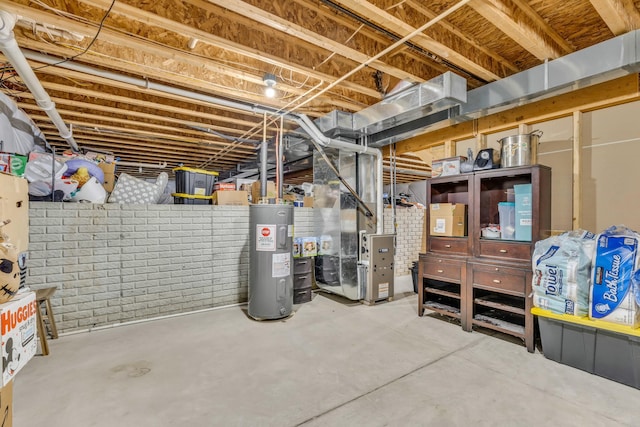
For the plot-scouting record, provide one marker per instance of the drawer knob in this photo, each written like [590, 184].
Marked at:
[496, 281]
[503, 251]
[497, 269]
[447, 246]
[440, 271]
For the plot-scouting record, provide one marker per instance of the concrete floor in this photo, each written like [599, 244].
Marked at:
[333, 363]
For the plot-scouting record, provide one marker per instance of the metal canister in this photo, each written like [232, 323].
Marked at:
[515, 150]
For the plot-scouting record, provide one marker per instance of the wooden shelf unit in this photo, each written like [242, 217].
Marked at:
[491, 278]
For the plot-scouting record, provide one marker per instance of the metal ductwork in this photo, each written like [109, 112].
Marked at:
[409, 103]
[12, 51]
[437, 94]
[602, 62]
[441, 102]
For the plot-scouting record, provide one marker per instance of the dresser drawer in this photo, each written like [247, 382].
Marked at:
[499, 278]
[505, 249]
[442, 268]
[303, 280]
[302, 265]
[449, 245]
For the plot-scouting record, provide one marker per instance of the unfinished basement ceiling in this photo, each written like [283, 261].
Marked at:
[223, 48]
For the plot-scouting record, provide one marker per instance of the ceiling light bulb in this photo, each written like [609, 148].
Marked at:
[270, 82]
[269, 92]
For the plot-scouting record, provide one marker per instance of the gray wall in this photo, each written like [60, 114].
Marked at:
[119, 263]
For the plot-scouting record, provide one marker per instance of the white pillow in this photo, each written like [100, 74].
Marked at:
[132, 190]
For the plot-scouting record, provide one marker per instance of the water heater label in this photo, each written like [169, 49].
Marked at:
[281, 265]
[266, 237]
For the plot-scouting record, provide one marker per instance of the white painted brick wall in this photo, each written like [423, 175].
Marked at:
[410, 223]
[117, 263]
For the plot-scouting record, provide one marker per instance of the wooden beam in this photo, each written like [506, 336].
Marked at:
[577, 170]
[503, 17]
[621, 16]
[607, 94]
[397, 26]
[420, 7]
[542, 24]
[149, 18]
[282, 25]
[524, 128]
[113, 111]
[199, 63]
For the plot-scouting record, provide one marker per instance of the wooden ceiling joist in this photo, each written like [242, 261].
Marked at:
[534, 40]
[621, 16]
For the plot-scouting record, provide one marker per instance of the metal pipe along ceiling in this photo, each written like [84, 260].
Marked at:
[12, 51]
[302, 120]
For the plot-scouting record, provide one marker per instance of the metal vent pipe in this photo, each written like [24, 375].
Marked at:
[12, 51]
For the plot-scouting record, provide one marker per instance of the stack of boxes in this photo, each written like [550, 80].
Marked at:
[225, 193]
[18, 314]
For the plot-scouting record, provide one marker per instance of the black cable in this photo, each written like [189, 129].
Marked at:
[407, 43]
[86, 49]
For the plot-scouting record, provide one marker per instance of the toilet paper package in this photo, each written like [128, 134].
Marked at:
[562, 272]
[616, 259]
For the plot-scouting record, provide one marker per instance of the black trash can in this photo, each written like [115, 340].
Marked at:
[414, 276]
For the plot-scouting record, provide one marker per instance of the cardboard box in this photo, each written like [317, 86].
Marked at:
[109, 170]
[307, 202]
[447, 219]
[224, 186]
[289, 198]
[6, 405]
[14, 206]
[446, 167]
[255, 191]
[231, 198]
[18, 329]
[524, 211]
[243, 183]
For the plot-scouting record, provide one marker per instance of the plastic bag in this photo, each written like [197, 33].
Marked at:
[562, 272]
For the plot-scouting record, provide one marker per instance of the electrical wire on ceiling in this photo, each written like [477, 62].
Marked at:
[431, 56]
[86, 49]
[223, 136]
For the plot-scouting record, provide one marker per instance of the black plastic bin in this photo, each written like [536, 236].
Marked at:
[196, 182]
[414, 276]
[190, 199]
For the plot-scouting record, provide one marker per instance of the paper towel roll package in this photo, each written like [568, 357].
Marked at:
[562, 273]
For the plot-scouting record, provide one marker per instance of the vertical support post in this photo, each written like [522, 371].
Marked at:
[577, 169]
[449, 148]
[524, 128]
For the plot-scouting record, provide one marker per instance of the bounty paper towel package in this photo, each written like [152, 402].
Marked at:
[562, 273]
[615, 261]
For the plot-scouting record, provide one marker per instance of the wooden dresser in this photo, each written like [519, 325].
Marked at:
[484, 282]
